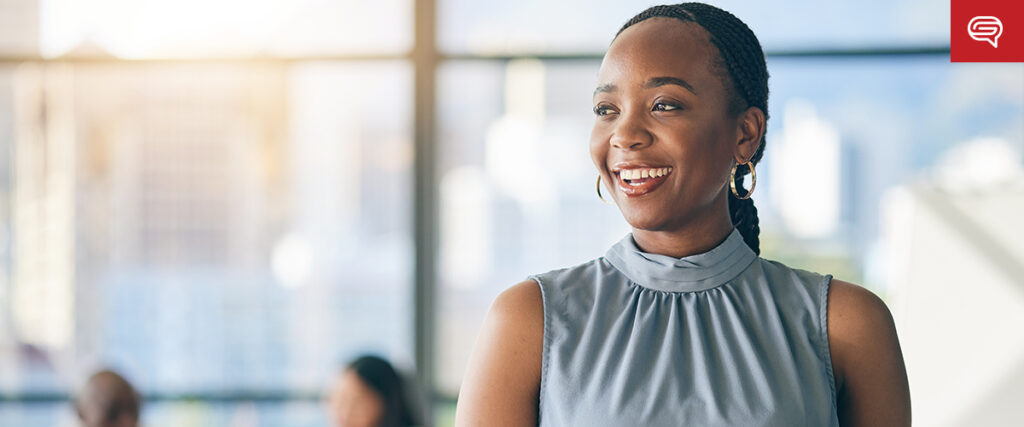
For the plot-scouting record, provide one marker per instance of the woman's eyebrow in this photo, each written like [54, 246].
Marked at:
[605, 88]
[652, 83]
[662, 81]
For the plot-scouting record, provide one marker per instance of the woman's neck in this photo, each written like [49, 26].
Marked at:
[692, 239]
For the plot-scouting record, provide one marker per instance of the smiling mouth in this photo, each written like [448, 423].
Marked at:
[636, 182]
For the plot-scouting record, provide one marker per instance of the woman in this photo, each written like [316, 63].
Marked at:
[370, 393]
[681, 322]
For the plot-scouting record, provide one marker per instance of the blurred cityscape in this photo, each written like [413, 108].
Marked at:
[236, 228]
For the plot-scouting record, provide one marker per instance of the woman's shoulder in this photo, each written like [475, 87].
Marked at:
[777, 271]
[854, 304]
[527, 297]
[578, 274]
[858, 321]
[502, 377]
[870, 375]
[845, 301]
[519, 300]
[801, 288]
[862, 343]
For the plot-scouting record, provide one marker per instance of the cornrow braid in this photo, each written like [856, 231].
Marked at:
[741, 56]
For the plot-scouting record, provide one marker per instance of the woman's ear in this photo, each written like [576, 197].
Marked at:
[750, 130]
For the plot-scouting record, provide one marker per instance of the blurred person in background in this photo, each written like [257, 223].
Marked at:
[682, 322]
[108, 400]
[369, 392]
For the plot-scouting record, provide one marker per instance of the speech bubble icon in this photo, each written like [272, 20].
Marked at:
[985, 28]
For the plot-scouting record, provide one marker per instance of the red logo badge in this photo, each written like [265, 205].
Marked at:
[986, 31]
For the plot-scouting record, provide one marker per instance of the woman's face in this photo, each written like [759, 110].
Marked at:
[664, 138]
[352, 403]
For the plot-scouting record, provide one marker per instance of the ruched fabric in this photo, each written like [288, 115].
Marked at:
[722, 338]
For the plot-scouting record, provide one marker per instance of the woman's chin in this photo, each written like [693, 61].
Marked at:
[641, 220]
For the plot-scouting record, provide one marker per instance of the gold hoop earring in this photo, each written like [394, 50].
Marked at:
[599, 196]
[753, 181]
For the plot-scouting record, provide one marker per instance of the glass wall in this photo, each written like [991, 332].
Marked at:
[209, 230]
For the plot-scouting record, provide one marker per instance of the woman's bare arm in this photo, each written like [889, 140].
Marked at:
[871, 379]
[502, 379]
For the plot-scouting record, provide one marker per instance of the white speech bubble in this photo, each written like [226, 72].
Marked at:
[985, 28]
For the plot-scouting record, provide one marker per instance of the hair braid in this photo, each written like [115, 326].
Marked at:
[746, 77]
[744, 218]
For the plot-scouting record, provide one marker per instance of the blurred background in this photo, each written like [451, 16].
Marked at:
[227, 200]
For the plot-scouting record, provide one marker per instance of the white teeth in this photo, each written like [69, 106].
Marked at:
[644, 173]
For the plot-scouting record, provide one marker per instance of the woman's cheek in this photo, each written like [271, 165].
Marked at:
[598, 151]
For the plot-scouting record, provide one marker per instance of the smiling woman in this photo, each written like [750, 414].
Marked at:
[681, 321]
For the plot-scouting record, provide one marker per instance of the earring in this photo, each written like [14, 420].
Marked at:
[753, 181]
[599, 196]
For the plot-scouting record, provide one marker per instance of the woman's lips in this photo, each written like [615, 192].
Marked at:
[639, 184]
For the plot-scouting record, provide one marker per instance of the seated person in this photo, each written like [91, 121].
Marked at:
[369, 392]
[108, 400]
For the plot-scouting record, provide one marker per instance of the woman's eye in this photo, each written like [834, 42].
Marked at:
[602, 110]
[661, 106]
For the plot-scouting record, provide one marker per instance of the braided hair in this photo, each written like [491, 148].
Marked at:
[741, 65]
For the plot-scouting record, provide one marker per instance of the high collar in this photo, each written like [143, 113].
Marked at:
[687, 274]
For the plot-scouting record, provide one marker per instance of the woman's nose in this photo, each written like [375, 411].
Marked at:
[630, 133]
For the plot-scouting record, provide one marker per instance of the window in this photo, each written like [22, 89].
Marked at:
[232, 232]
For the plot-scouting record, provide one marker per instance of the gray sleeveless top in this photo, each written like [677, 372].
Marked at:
[722, 338]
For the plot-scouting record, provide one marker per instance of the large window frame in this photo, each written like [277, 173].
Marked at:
[425, 56]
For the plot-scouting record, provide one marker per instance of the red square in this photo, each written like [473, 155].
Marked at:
[986, 31]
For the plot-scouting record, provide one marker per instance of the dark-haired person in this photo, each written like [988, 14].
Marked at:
[108, 400]
[370, 393]
[681, 322]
